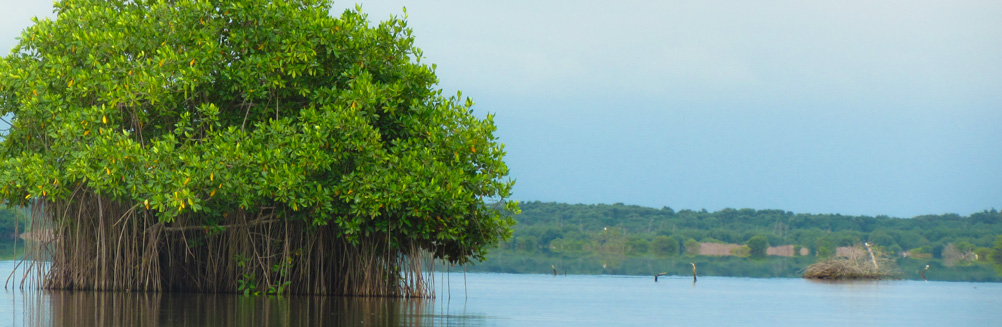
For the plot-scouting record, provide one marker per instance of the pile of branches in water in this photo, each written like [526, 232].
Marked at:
[858, 263]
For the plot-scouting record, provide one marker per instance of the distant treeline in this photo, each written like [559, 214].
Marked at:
[12, 223]
[635, 230]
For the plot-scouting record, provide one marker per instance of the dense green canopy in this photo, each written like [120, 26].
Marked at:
[198, 112]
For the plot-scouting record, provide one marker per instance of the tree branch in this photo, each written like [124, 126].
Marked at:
[247, 224]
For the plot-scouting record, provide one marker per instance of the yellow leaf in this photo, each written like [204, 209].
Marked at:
[107, 171]
[192, 63]
[87, 132]
[27, 196]
[349, 191]
[70, 84]
[260, 46]
[213, 193]
[34, 92]
[220, 185]
[161, 62]
[147, 203]
[212, 177]
[186, 180]
[104, 119]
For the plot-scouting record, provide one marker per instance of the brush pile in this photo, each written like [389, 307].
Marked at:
[857, 264]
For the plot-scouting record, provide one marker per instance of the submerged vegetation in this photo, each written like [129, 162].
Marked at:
[243, 146]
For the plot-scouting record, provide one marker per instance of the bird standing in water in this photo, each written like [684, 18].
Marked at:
[656, 276]
[693, 272]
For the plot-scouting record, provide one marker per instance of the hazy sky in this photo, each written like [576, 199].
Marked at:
[853, 107]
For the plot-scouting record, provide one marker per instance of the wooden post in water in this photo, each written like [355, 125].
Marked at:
[656, 276]
[693, 272]
[872, 258]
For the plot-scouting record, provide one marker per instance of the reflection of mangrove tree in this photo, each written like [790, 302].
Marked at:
[243, 146]
[69, 308]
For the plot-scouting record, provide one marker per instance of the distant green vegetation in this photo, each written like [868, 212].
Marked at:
[11, 250]
[585, 235]
[508, 261]
[12, 223]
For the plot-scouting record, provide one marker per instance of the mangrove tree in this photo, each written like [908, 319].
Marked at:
[254, 146]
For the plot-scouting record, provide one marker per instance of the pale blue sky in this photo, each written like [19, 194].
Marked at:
[852, 107]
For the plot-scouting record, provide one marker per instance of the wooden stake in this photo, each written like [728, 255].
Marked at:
[872, 258]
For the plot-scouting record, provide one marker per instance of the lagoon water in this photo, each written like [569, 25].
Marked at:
[483, 299]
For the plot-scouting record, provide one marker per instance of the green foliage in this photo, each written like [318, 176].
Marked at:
[528, 243]
[12, 222]
[610, 240]
[922, 252]
[692, 247]
[996, 253]
[983, 254]
[248, 285]
[664, 245]
[825, 252]
[579, 225]
[780, 227]
[190, 110]
[744, 251]
[757, 246]
[636, 245]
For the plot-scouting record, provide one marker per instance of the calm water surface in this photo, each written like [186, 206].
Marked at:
[479, 299]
